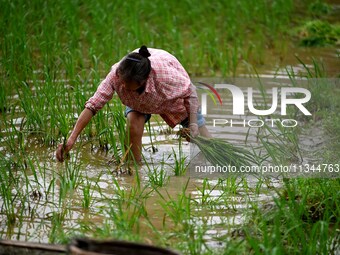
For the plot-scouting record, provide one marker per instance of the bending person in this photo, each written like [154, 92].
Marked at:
[147, 81]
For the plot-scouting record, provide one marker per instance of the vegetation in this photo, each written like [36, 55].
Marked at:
[319, 33]
[53, 55]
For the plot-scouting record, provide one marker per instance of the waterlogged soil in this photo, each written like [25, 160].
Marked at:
[227, 210]
[221, 207]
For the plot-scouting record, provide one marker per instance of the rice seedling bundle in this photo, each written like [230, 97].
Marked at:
[219, 152]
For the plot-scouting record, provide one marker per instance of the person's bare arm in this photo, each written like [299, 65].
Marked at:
[84, 118]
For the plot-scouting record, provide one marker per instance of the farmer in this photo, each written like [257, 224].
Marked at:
[147, 81]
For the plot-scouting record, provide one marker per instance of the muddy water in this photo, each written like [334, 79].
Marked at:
[230, 204]
[327, 58]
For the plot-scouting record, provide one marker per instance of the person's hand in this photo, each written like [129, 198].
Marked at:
[63, 150]
[194, 130]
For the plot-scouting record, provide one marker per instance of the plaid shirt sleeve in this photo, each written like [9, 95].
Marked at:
[104, 92]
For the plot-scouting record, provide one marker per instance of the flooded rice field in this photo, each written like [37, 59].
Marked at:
[163, 200]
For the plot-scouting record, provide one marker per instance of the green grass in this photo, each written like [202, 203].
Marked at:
[304, 219]
[69, 35]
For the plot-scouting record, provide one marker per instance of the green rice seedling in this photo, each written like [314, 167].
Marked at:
[35, 170]
[277, 143]
[21, 217]
[159, 178]
[318, 70]
[70, 178]
[61, 123]
[282, 145]
[332, 128]
[230, 185]
[320, 238]
[233, 191]
[4, 102]
[188, 234]
[88, 189]
[102, 130]
[157, 175]
[150, 132]
[13, 198]
[7, 183]
[261, 181]
[118, 134]
[179, 209]
[321, 88]
[192, 239]
[180, 165]
[43, 176]
[300, 221]
[58, 233]
[32, 118]
[34, 188]
[234, 59]
[107, 230]
[13, 137]
[205, 190]
[126, 211]
[126, 217]
[86, 203]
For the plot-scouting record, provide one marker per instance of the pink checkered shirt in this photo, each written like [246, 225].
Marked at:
[168, 92]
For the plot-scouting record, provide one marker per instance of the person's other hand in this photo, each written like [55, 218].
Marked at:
[194, 130]
[62, 151]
